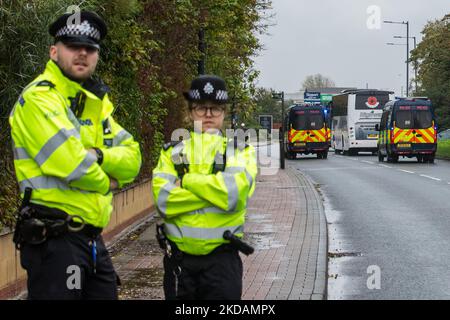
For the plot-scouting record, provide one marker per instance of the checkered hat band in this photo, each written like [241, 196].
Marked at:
[221, 95]
[83, 29]
[194, 94]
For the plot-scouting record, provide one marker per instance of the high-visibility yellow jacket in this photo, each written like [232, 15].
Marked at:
[197, 213]
[50, 146]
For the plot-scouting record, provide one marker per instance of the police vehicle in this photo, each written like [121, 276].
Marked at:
[408, 129]
[306, 131]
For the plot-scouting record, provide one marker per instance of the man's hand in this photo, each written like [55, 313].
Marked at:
[178, 183]
[93, 152]
[113, 184]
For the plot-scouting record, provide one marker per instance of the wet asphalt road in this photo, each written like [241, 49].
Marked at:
[394, 218]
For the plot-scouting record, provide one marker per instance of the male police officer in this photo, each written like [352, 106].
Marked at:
[201, 186]
[69, 153]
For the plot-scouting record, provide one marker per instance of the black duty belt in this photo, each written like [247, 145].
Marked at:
[44, 212]
[36, 223]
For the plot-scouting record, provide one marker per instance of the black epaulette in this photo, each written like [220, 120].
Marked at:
[45, 83]
[167, 145]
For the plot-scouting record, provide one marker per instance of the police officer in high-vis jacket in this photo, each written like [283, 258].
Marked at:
[69, 154]
[201, 186]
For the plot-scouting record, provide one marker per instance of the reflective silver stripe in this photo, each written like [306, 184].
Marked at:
[241, 169]
[53, 143]
[234, 169]
[20, 154]
[82, 168]
[120, 137]
[218, 158]
[199, 233]
[73, 119]
[209, 210]
[162, 197]
[213, 210]
[166, 176]
[230, 183]
[43, 182]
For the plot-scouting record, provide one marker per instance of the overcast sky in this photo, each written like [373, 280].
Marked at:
[331, 37]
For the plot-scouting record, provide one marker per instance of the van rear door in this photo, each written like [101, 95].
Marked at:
[424, 125]
[403, 127]
[307, 126]
[413, 125]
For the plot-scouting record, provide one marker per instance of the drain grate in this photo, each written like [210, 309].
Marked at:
[344, 254]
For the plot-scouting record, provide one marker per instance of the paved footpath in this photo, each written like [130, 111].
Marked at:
[286, 225]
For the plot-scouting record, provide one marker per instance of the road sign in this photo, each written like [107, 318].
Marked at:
[325, 98]
[312, 96]
[266, 121]
[277, 95]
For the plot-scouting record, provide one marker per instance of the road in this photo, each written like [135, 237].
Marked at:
[386, 220]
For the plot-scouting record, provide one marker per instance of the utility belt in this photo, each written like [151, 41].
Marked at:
[172, 252]
[36, 223]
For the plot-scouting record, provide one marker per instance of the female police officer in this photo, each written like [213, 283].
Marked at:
[201, 186]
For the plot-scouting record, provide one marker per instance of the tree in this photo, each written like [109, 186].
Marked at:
[317, 81]
[148, 59]
[433, 57]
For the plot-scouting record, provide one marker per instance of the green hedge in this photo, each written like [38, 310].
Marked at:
[443, 149]
[148, 58]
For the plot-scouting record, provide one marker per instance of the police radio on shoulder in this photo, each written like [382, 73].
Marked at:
[99, 156]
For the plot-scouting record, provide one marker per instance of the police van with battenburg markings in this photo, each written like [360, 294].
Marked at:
[307, 131]
[407, 129]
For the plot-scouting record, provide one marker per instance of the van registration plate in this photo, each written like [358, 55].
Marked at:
[404, 145]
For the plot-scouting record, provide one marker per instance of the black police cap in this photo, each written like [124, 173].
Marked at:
[207, 88]
[89, 32]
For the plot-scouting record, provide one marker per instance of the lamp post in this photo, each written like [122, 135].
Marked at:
[415, 61]
[280, 96]
[407, 51]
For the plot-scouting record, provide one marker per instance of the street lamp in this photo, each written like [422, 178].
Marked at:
[407, 51]
[415, 61]
[280, 96]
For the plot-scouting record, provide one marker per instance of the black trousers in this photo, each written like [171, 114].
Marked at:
[216, 276]
[62, 268]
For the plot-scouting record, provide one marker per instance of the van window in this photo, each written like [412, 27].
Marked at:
[423, 119]
[404, 119]
[315, 121]
[307, 120]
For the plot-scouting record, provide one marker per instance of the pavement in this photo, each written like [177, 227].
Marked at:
[286, 225]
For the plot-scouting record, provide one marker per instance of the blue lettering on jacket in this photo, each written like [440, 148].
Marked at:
[86, 122]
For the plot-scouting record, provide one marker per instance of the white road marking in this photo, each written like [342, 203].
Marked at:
[369, 162]
[425, 176]
[386, 166]
[406, 171]
[338, 168]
